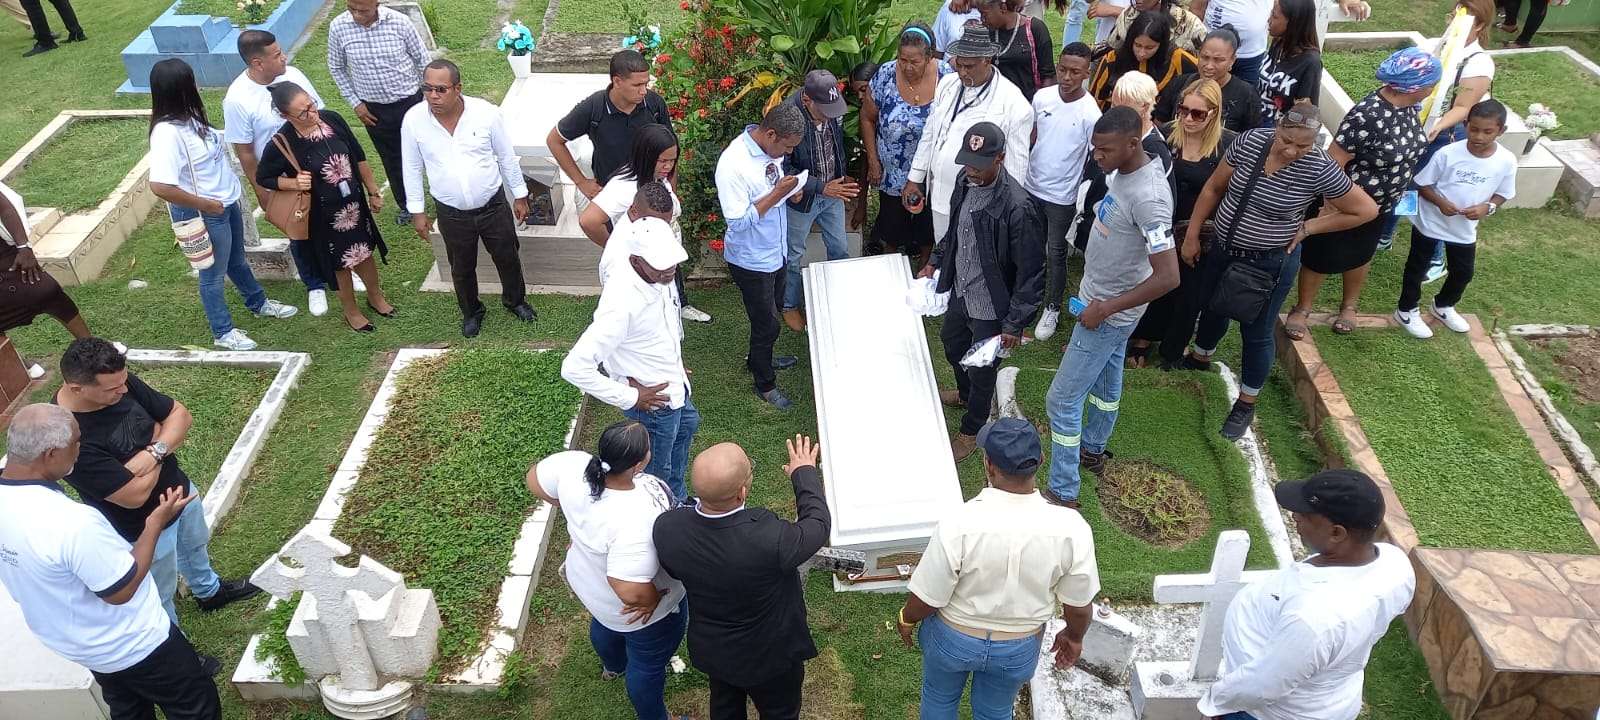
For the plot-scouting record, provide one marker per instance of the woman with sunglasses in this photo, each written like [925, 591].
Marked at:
[1259, 195]
[1198, 141]
[1292, 71]
[1149, 49]
[1241, 104]
[344, 198]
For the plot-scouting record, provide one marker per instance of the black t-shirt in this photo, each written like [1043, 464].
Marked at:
[1285, 80]
[1190, 178]
[1241, 104]
[609, 129]
[111, 437]
[1018, 62]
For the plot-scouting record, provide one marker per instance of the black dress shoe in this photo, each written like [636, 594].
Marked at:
[38, 49]
[367, 328]
[76, 37]
[230, 591]
[471, 325]
[210, 665]
[390, 314]
[524, 312]
[784, 362]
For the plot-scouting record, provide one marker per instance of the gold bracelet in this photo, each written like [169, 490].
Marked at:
[903, 622]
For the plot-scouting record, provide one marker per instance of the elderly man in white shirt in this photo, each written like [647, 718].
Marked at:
[638, 335]
[974, 93]
[993, 574]
[1294, 647]
[462, 143]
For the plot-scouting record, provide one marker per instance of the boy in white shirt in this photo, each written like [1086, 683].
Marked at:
[1063, 122]
[1465, 182]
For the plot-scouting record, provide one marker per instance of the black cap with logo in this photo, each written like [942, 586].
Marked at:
[1345, 497]
[984, 142]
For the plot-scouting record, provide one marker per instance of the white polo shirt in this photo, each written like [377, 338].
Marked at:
[200, 166]
[247, 109]
[57, 559]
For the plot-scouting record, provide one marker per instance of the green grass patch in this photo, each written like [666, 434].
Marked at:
[229, 9]
[1468, 475]
[460, 433]
[1560, 381]
[1555, 80]
[1396, 681]
[56, 176]
[605, 17]
[1355, 70]
[274, 645]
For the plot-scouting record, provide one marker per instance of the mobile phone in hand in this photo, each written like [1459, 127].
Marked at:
[1076, 305]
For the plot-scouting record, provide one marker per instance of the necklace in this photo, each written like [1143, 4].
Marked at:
[915, 86]
[995, 36]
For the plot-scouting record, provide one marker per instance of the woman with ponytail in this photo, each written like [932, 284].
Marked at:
[638, 611]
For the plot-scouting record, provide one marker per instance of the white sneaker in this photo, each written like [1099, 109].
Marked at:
[317, 302]
[1413, 323]
[694, 314]
[273, 308]
[1450, 318]
[1047, 323]
[235, 340]
[1435, 271]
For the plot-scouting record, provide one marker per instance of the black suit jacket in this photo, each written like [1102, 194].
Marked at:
[747, 608]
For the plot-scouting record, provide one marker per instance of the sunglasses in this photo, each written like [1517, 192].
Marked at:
[1295, 118]
[1196, 114]
[436, 89]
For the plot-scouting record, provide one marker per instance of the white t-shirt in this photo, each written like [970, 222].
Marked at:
[1103, 27]
[1063, 129]
[212, 176]
[1249, 17]
[1465, 180]
[22, 212]
[947, 25]
[614, 200]
[247, 109]
[610, 538]
[1295, 645]
[57, 559]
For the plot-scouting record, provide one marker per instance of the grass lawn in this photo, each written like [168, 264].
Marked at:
[1467, 474]
[1354, 70]
[460, 431]
[56, 178]
[1429, 17]
[228, 9]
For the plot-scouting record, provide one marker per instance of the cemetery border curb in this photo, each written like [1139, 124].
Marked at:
[1555, 421]
[1262, 479]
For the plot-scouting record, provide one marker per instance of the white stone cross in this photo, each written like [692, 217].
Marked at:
[336, 592]
[1216, 589]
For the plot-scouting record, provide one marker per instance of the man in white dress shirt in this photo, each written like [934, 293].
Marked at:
[1294, 646]
[250, 122]
[638, 335]
[974, 93]
[462, 143]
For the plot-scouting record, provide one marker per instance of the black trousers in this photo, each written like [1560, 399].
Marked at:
[1170, 319]
[41, 24]
[775, 699]
[494, 225]
[976, 385]
[763, 294]
[1459, 259]
[897, 230]
[170, 677]
[386, 138]
[1536, 12]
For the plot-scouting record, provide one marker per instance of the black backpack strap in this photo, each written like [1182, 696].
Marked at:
[1257, 168]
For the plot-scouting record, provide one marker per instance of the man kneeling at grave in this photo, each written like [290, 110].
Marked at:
[130, 432]
[1294, 646]
[991, 578]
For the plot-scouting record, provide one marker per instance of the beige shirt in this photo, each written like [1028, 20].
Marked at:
[1004, 561]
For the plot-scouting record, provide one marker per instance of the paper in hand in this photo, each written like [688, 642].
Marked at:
[799, 186]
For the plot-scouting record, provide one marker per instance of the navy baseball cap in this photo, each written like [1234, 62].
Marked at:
[1346, 497]
[984, 142]
[823, 89]
[1012, 446]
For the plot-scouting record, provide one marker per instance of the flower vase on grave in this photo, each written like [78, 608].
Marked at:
[520, 65]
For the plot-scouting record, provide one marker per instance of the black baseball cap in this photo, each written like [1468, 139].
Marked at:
[984, 142]
[1012, 446]
[1345, 497]
[823, 89]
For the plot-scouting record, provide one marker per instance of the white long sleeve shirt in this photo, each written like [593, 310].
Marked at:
[946, 130]
[637, 334]
[1294, 646]
[465, 168]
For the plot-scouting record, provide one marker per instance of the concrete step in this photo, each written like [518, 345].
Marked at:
[1580, 180]
[1538, 175]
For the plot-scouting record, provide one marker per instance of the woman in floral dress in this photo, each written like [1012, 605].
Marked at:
[892, 117]
[343, 233]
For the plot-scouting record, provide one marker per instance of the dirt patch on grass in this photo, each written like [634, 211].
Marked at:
[1153, 503]
[1579, 361]
[827, 693]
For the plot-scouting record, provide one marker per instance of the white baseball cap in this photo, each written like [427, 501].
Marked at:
[654, 241]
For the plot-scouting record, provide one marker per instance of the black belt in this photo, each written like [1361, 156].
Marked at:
[495, 202]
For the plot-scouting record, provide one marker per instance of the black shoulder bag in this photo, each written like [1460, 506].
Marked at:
[1247, 281]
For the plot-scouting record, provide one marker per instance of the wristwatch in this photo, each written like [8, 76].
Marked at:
[159, 450]
[1492, 207]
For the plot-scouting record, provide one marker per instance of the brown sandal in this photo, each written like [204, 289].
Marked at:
[1296, 331]
[1341, 326]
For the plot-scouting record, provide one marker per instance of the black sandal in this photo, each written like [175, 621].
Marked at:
[390, 314]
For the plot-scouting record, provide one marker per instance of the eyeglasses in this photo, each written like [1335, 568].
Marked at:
[436, 89]
[304, 114]
[1196, 114]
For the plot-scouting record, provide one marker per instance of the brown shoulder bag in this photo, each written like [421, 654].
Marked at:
[289, 210]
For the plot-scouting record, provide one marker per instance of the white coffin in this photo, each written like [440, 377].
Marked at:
[885, 449]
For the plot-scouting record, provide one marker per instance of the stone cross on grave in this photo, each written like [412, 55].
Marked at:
[361, 624]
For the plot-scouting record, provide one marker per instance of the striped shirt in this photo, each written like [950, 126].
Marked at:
[1278, 205]
[381, 62]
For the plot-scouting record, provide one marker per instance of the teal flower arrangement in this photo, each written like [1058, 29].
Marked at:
[516, 38]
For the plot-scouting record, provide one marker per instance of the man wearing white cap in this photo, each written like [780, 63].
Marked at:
[638, 335]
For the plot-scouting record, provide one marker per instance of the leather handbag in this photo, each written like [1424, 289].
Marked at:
[289, 210]
[1250, 276]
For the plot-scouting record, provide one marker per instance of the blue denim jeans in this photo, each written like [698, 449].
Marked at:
[998, 669]
[227, 247]
[1072, 30]
[299, 250]
[1445, 137]
[1239, 716]
[1258, 336]
[671, 432]
[181, 550]
[643, 656]
[828, 214]
[1249, 70]
[1091, 369]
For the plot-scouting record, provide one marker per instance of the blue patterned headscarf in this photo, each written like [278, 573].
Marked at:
[1409, 70]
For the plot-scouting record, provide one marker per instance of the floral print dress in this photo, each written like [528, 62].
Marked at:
[343, 232]
[899, 125]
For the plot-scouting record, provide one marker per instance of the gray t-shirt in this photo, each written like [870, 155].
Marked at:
[1133, 222]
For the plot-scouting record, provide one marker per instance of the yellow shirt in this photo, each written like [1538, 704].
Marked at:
[1004, 561]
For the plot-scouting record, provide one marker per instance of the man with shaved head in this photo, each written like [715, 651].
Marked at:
[738, 565]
